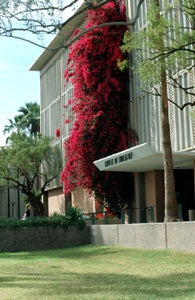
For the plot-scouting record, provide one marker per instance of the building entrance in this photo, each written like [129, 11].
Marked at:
[184, 187]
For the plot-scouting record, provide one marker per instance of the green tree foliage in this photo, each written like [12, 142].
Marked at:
[30, 118]
[14, 126]
[28, 121]
[29, 165]
[177, 52]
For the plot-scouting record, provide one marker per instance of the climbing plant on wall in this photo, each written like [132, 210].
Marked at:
[100, 107]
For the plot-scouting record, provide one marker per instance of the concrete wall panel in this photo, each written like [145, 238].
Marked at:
[104, 235]
[149, 236]
[181, 236]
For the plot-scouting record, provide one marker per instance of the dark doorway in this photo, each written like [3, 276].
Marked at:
[184, 186]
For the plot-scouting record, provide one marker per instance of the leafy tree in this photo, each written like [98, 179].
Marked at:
[177, 51]
[100, 105]
[163, 49]
[29, 165]
[28, 121]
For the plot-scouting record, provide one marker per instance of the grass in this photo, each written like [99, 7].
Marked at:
[92, 272]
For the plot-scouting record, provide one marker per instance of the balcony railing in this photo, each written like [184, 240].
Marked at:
[128, 216]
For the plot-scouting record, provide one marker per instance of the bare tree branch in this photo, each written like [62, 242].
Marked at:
[190, 90]
[158, 94]
[38, 25]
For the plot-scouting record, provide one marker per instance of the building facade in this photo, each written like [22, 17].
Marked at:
[11, 204]
[54, 109]
[145, 160]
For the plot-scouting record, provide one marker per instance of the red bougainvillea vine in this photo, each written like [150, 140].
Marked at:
[100, 107]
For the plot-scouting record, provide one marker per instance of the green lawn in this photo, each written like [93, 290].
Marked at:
[91, 272]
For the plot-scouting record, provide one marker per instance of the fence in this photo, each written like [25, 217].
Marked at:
[128, 216]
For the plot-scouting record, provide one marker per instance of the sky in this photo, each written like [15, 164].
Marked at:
[18, 85]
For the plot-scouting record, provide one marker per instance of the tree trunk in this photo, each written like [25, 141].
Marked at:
[171, 213]
[37, 205]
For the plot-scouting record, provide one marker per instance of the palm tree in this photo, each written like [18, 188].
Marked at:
[13, 127]
[27, 122]
[30, 118]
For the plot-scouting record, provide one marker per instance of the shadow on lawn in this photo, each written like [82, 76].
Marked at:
[60, 281]
[73, 252]
[103, 286]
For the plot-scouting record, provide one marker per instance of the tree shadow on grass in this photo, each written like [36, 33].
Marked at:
[69, 285]
[61, 281]
[72, 252]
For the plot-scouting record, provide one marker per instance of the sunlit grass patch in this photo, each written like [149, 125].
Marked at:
[91, 272]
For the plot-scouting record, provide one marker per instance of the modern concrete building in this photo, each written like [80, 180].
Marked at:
[11, 204]
[145, 159]
[54, 97]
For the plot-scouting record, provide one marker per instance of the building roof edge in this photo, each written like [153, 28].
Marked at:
[58, 42]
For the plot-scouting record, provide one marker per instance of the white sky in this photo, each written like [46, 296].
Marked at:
[18, 85]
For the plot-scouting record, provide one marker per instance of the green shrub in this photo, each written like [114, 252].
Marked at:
[9, 223]
[54, 220]
[74, 216]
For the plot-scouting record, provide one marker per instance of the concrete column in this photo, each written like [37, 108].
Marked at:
[139, 207]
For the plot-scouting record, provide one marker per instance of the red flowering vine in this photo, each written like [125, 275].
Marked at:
[100, 105]
[58, 132]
